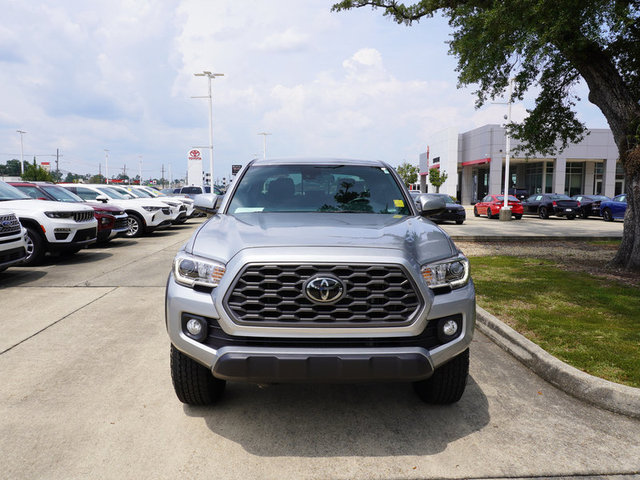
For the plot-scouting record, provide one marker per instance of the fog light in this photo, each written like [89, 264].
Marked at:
[194, 327]
[450, 328]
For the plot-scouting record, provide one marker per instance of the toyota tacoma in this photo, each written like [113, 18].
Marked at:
[319, 270]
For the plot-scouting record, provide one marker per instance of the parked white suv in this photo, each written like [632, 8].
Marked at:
[177, 207]
[188, 210]
[13, 244]
[145, 215]
[51, 226]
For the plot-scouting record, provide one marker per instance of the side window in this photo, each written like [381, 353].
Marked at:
[33, 192]
[486, 199]
[538, 198]
[86, 194]
[622, 198]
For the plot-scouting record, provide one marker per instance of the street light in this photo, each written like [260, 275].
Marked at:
[21, 132]
[209, 75]
[106, 165]
[506, 208]
[264, 144]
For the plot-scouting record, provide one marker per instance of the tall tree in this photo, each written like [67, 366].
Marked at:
[550, 45]
[408, 173]
[437, 178]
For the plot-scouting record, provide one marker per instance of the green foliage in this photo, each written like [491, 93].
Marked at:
[437, 178]
[11, 168]
[589, 322]
[97, 179]
[35, 173]
[408, 173]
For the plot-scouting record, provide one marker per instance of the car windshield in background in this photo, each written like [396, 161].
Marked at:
[511, 198]
[7, 192]
[317, 188]
[445, 197]
[559, 196]
[112, 193]
[61, 194]
[138, 192]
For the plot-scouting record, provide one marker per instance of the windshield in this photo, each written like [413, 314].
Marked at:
[511, 198]
[7, 192]
[311, 188]
[124, 192]
[112, 193]
[559, 196]
[151, 192]
[61, 194]
[138, 193]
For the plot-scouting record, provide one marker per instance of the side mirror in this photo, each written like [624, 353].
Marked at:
[430, 205]
[102, 198]
[207, 202]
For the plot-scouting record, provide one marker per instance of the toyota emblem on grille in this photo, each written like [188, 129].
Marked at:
[324, 289]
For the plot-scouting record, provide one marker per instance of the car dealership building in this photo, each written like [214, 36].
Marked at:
[474, 162]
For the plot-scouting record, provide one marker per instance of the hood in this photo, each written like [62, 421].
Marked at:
[223, 236]
[27, 205]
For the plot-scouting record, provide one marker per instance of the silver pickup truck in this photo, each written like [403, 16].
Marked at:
[319, 270]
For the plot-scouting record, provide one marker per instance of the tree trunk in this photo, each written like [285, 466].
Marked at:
[628, 256]
[608, 92]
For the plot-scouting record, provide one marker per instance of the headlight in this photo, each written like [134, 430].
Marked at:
[105, 212]
[152, 209]
[59, 214]
[453, 273]
[190, 271]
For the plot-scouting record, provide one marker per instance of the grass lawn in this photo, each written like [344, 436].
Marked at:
[588, 321]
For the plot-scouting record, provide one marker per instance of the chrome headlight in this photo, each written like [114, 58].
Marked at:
[190, 271]
[452, 273]
[152, 209]
[59, 214]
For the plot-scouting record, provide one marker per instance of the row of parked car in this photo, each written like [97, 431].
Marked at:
[545, 205]
[37, 218]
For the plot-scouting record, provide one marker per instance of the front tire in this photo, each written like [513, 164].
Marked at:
[607, 216]
[35, 248]
[135, 226]
[489, 213]
[447, 383]
[475, 212]
[459, 222]
[193, 383]
[542, 213]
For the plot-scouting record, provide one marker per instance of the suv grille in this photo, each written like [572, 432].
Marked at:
[121, 222]
[273, 295]
[9, 225]
[83, 216]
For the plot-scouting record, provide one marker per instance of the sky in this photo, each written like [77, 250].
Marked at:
[84, 77]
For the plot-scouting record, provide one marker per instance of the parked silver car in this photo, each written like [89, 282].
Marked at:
[322, 271]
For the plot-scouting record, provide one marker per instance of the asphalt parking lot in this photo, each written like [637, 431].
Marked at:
[86, 393]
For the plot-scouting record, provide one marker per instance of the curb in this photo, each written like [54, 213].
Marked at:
[596, 391]
[532, 238]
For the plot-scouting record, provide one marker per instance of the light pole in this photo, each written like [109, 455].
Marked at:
[21, 132]
[264, 144]
[210, 75]
[106, 165]
[140, 168]
[506, 208]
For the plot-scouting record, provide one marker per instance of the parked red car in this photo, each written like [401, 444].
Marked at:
[491, 205]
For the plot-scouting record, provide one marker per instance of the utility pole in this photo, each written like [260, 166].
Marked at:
[124, 171]
[140, 168]
[21, 132]
[162, 175]
[57, 164]
[106, 165]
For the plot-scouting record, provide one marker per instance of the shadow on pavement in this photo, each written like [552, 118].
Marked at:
[16, 276]
[318, 420]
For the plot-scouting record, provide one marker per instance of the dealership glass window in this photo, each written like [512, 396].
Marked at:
[533, 177]
[597, 178]
[619, 179]
[574, 176]
[548, 184]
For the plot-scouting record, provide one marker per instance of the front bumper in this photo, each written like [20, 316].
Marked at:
[316, 354]
[62, 233]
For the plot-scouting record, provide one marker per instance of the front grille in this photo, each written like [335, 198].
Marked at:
[121, 223]
[9, 225]
[272, 295]
[12, 255]
[85, 234]
[83, 216]
[217, 338]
